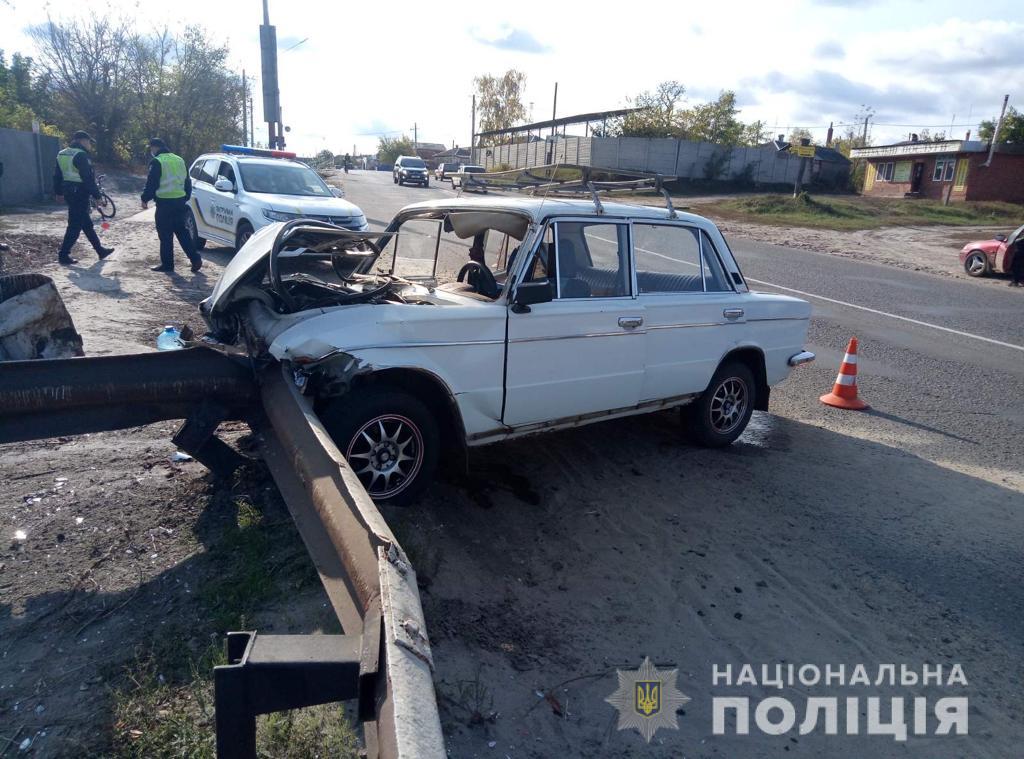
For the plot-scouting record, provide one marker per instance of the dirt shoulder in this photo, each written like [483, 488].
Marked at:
[121, 567]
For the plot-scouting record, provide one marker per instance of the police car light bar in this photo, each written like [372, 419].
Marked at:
[242, 150]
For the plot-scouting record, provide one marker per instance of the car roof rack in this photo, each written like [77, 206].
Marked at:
[545, 180]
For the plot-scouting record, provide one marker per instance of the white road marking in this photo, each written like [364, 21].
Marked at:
[918, 322]
[875, 311]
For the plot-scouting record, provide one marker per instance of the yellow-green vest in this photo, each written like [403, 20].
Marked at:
[66, 163]
[172, 176]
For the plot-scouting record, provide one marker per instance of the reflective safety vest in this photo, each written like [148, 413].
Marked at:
[66, 163]
[172, 176]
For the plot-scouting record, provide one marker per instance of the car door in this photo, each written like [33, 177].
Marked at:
[216, 216]
[224, 203]
[582, 353]
[691, 311]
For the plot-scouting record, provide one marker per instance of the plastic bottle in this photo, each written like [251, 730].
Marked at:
[169, 339]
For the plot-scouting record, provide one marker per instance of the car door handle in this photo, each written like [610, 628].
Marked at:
[630, 322]
[732, 313]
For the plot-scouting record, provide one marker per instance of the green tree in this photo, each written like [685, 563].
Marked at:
[715, 121]
[20, 95]
[1012, 129]
[659, 114]
[389, 148]
[798, 134]
[100, 74]
[499, 100]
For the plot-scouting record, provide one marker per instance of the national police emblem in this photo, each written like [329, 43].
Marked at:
[647, 699]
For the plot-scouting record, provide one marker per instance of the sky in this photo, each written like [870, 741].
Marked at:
[358, 70]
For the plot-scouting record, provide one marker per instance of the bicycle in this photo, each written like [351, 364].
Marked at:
[104, 205]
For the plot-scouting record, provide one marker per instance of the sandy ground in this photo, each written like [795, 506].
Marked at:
[816, 539]
[934, 250]
[116, 534]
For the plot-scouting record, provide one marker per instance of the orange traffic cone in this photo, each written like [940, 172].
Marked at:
[844, 391]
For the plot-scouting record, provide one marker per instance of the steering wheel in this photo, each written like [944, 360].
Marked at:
[479, 277]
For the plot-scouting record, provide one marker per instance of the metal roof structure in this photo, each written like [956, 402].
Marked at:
[582, 118]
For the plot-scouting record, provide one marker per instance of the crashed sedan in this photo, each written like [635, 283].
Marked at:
[472, 321]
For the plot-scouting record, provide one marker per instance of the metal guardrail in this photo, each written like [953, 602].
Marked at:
[383, 660]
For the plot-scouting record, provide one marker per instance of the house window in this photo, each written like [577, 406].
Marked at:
[944, 169]
[884, 172]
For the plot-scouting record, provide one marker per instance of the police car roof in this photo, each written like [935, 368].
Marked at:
[251, 158]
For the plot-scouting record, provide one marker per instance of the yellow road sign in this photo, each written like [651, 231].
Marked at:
[804, 151]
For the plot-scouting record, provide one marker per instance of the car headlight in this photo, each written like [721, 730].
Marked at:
[280, 215]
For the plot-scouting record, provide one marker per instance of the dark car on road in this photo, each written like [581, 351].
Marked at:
[410, 168]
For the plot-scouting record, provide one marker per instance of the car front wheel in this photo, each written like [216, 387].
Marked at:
[976, 264]
[389, 438]
[721, 414]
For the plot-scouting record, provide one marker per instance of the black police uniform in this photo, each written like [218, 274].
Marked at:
[76, 195]
[170, 219]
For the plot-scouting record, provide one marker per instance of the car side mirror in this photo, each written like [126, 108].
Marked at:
[530, 293]
[224, 185]
[1001, 237]
[337, 192]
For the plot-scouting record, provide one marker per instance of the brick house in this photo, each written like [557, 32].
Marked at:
[953, 168]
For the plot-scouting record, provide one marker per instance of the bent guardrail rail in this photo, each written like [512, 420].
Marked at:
[383, 660]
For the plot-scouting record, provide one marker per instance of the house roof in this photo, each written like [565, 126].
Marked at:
[830, 154]
[920, 147]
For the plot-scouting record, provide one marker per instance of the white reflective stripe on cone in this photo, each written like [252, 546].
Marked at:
[846, 379]
[851, 358]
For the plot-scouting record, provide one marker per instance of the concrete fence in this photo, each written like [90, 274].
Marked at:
[28, 161]
[680, 158]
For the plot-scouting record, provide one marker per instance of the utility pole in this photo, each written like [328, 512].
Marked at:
[252, 123]
[554, 109]
[995, 134]
[415, 136]
[245, 115]
[798, 184]
[271, 93]
[472, 133]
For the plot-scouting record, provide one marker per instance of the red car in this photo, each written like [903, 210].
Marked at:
[986, 256]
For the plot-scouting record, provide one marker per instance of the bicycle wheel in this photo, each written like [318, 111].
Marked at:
[105, 206]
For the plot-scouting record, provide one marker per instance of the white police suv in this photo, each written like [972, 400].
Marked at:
[241, 190]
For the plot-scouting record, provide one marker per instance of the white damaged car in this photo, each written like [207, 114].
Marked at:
[472, 321]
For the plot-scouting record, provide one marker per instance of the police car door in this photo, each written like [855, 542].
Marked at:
[203, 175]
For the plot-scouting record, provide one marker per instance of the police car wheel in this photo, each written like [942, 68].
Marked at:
[242, 235]
[197, 241]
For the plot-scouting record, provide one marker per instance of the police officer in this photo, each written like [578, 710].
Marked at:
[75, 182]
[168, 182]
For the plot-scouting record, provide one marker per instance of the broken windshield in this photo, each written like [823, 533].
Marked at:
[438, 248]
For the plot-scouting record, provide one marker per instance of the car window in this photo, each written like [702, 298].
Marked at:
[540, 267]
[412, 163]
[715, 279]
[210, 168]
[667, 258]
[593, 260]
[226, 171]
[282, 179]
[196, 172]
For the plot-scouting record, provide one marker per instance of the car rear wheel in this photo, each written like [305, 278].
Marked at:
[976, 264]
[243, 234]
[721, 414]
[389, 438]
[193, 230]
